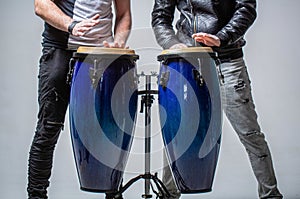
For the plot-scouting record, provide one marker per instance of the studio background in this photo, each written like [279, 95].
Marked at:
[272, 55]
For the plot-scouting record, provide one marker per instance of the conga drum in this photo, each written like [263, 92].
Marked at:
[191, 115]
[102, 111]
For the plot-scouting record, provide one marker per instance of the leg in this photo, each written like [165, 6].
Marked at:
[53, 102]
[240, 110]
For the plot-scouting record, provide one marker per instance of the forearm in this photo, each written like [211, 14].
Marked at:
[162, 19]
[122, 23]
[50, 13]
[122, 28]
[241, 21]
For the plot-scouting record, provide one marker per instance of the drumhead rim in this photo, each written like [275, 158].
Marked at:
[187, 53]
[103, 50]
[187, 50]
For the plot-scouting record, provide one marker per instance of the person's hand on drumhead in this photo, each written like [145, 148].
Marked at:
[114, 44]
[178, 46]
[84, 26]
[207, 39]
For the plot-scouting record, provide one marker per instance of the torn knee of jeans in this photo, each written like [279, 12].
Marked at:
[254, 142]
[245, 100]
[240, 85]
[250, 133]
[260, 156]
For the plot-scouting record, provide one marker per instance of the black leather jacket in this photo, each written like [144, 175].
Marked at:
[227, 19]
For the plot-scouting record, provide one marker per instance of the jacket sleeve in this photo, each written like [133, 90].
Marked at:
[162, 19]
[243, 17]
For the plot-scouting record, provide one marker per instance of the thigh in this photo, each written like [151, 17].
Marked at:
[240, 109]
[237, 98]
[53, 70]
[53, 90]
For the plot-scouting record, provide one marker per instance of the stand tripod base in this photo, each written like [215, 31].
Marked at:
[162, 193]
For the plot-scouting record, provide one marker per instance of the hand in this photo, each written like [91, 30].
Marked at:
[84, 26]
[207, 39]
[114, 44]
[178, 46]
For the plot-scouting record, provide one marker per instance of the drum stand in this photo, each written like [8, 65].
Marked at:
[146, 102]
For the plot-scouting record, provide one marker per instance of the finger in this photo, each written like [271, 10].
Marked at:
[84, 28]
[106, 44]
[204, 41]
[212, 40]
[115, 45]
[79, 32]
[207, 39]
[122, 44]
[95, 19]
[210, 43]
[199, 34]
[88, 24]
[95, 22]
[214, 37]
[199, 39]
[96, 16]
[82, 32]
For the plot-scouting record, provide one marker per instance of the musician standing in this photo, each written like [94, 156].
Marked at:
[221, 24]
[68, 24]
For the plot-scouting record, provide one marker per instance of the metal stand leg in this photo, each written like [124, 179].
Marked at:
[147, 101]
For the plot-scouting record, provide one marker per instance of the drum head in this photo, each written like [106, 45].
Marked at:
[102, 50]
[187, 52]
[83, 51]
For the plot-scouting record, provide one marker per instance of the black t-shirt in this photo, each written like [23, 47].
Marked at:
[80, 10]
[53, 36]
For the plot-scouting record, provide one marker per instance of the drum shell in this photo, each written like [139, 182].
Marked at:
[103, 104]
[190, 114]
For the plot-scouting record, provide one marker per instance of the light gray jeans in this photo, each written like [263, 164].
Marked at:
[239, 108]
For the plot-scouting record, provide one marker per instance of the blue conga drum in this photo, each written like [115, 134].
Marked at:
[191, 115]
[102, 111]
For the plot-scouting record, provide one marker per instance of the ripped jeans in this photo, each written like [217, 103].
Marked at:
[239, 108]
[53, 99]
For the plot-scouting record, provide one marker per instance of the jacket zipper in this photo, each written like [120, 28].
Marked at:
[195, 28]
[195, 20]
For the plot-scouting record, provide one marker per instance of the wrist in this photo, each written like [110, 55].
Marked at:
[71, 26]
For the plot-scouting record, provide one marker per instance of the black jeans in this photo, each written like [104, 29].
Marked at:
[53, 99]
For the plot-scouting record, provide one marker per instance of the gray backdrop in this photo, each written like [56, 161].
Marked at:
[272, 56]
